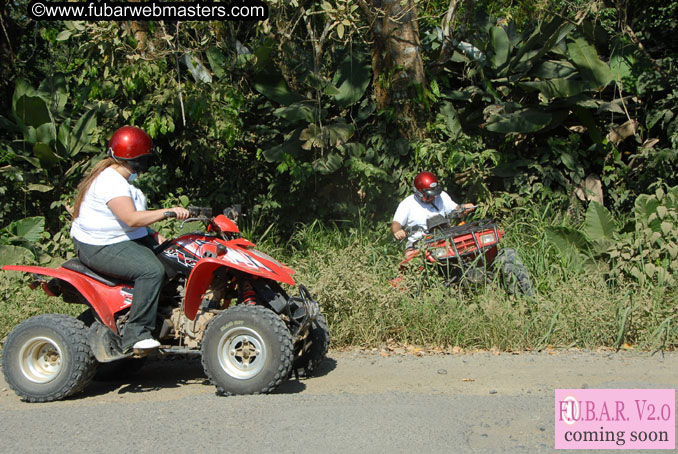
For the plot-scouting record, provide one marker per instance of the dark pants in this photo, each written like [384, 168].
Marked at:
[134, 261]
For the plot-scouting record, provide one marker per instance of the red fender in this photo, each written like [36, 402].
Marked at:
[251, 262]
[96, 293]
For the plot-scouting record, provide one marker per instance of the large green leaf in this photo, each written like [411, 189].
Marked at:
[46, 133]
[300, 111]
[327, 164]
[557, 88]
[45, 154]
[352, 78]
[290, 146]
[81, 135]
[585, 58]
[54, 90]
[29, 228]
[451, 120]
[524, 121]
[554, 69]
[31, 111]
[274, 87]
[501, 47]
[340, 132]
[543, 40]
[217, 61]
[14, 255]
[64, 137]
[599, 225]
[570, 242]
[330, 135]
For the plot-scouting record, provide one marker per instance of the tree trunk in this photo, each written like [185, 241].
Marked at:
[6, 33]
[398, 68]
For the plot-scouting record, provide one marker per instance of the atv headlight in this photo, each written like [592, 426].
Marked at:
[440, 253]
[487, 238]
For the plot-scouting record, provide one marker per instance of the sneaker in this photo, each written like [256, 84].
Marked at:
[146, 344]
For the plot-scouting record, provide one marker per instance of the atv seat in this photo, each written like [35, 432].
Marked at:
[76, 265]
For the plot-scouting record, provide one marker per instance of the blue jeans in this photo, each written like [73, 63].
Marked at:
[135, 261]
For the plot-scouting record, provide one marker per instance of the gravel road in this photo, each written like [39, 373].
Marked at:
[360, 402]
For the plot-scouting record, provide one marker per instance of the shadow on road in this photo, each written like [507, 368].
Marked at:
[178, 371]
[156, 374]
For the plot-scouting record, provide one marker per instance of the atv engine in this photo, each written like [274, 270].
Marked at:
[191, 331]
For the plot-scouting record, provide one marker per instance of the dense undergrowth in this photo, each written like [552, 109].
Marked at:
[349, 268]
[349, 273]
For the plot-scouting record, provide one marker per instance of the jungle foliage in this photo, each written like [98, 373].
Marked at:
[304, 118]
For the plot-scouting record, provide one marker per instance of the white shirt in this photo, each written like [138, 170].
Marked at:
[96, 224]
[413, 214]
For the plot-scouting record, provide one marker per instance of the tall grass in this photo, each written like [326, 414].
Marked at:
[348, 268]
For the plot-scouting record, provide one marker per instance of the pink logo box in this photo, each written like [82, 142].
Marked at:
[615, 419]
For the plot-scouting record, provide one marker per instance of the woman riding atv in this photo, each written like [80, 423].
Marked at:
[110, 230]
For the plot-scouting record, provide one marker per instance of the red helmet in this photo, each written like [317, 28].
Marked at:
[426, 187]
[131, 144]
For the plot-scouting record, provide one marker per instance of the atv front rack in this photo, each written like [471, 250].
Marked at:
[464, 248]
[448, 234]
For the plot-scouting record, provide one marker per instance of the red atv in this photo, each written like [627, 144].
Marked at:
[468, 253]
[222, 299]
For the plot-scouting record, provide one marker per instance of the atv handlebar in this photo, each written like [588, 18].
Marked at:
[458, 212]
[193, 212]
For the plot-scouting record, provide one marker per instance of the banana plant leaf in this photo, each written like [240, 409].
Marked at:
[523, 121]
[590, 66]
[300, 112]
[274, 87]
[351, 79]
[501, 46]
[558, 88]
[290, 146]
[327, 164]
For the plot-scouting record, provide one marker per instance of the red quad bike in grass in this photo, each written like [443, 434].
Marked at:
[222, 299]
[469, 253]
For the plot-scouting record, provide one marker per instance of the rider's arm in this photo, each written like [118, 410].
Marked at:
[123, 208]
[397, 231]
[450, 205]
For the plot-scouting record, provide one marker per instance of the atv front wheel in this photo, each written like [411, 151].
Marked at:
[319, 339]
[514, 275]
[247, 350]
[46, 358]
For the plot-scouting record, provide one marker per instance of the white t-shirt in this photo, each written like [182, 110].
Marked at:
[413, 214]
[96, 224]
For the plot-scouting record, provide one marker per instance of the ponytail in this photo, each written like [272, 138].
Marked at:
[84, 185]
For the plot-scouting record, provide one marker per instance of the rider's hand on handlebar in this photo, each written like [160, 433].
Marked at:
[181, 212]
[467, 208]
[400, 235]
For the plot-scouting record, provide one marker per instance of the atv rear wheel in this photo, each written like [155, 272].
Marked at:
[46, 358]
[513, 273]
[247, 350]
[319, 338]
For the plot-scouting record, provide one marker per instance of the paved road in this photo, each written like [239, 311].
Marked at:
[360, 402]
